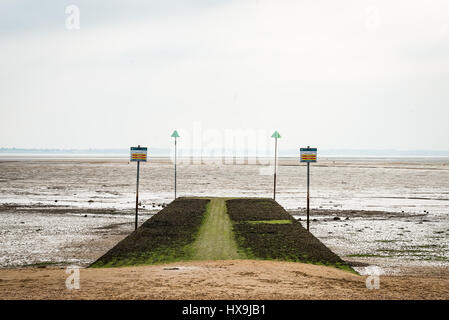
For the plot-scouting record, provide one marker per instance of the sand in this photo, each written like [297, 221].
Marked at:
[230, 279]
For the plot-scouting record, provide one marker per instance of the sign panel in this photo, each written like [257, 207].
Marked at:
[308, 154]
[139, 154]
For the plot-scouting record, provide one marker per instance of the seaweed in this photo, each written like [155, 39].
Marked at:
[277, 241]
[165, 237]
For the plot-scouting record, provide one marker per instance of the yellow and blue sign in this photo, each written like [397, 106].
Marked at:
[308, 154]
[139, 154]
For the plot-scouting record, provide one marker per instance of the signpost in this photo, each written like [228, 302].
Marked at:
[308, 155]
[275, 135]
[138, 154]
[175, 135]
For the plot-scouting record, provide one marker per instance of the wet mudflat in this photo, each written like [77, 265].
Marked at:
[73, 211]
[396, 243]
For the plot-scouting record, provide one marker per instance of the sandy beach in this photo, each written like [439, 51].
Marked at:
[230, 279]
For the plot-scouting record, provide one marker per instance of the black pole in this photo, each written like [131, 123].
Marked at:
[175, 168]
[275, 166]
[137, 194]
[308, 197]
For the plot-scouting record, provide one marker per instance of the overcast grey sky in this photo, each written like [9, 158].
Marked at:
[332, 74]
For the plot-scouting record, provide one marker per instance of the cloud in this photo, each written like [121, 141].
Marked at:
[317, 71]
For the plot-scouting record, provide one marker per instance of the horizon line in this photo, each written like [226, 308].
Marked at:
[227, 153]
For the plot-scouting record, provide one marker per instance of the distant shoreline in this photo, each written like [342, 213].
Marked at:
[220, 153]
[124, 157]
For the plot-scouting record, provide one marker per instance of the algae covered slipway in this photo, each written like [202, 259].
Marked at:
[220, 229]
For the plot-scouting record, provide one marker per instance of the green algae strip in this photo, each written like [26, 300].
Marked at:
[269, 221]
[215, 239]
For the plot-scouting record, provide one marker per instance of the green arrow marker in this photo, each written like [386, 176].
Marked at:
[175, 135]
[276, 135]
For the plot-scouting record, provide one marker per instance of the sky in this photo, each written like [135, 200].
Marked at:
[330, 74]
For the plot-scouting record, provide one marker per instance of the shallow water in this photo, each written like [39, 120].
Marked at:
[417, 187]
[412, 186]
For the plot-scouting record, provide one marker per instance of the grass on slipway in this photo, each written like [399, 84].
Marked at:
[215, 238]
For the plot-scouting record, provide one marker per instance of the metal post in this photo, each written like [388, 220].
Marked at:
[308, 197]
[275, 166]
[175, 168]
[137, 193]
